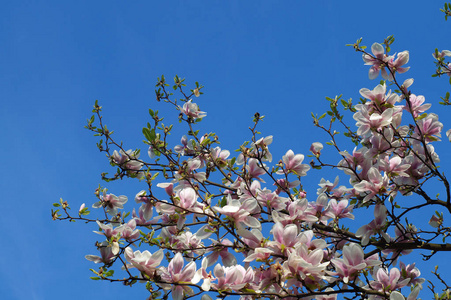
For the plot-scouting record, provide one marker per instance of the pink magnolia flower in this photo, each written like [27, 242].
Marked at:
[411, 272]
[442, 54]
[168, 187]
[339, 210]
[379, 60]
[387, 281]
[128, 160]
[228, 259]
[375, 184]
[394, 166]
[189, 171]
[253, 238]
[106, 254]
[129, 231]
[260, 148]
[416, 106]
[232, 278]
[255, 169]
[107, 229]
[188, 200]
[144, 261]
[376, 62]
[316, 148]
[350, 163]
[240, 212]
[351, 263]
[318, 208]
[187, 146]
[191, 110]
[298, 210]
[285, 237]
[220, 156]
[187, 241]
[283, 185]
[396, 65]
[375, 226]
[436, 221]
[405, 85]
[259, 254]
[305, 265]
[326, 185]
[272, 200]
[293, 164]
[147, 205]
[81, 208]
[175, 273]
[378, 97]
[111, 202]
[140, 220]
[367, 121]
[430, 128]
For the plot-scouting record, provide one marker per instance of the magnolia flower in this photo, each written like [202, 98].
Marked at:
[187, 146]
[375, 226]
[339, 210]
[293, 163]
[316, 148]
[111, 203]
[429, 127]
[254, 169]
[305, 265]
[107, 229]
[228, 259]
[129, 231]
[144, 261]
[240, 212]
[442, 54]
[387, 281]
[129, 161]
[436, 221]
[411, 272]
[285, 237]
[188, 200]
[106, 254]
[81, 209]
[151, 152]
[416, 106]
[396, 65]
[367, 121]
[175, 273]
[167, 186]
[351, 263]
[232, 278]
[375, 184]
[266, 198]
[376, 62]
[191, 110]
[260, 148]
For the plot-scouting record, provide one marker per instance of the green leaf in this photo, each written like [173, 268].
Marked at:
[146, 133]
[149, 134]
[151, 113]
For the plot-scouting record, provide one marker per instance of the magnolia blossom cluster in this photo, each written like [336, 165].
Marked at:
[238, 236]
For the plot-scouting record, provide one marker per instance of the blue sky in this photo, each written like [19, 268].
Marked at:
[280, 58]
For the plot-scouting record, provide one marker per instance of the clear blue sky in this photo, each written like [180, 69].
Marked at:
[280, 58]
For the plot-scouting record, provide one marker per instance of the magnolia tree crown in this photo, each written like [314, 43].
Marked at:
[208, 223]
